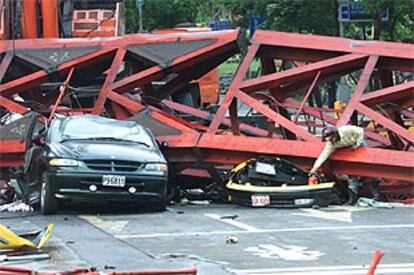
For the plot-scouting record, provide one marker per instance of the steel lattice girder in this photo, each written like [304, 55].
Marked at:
[321, 58]
[222, 140]
[28, 64]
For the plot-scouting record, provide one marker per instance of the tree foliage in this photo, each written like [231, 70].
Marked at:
[400, 26]
[300, 16]
[158, 14]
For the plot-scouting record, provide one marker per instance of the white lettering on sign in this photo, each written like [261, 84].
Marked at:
[285, 252]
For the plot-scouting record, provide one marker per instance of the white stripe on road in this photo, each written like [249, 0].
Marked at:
[403, 268]
[343, 216]
[264, 231]
[233, 222]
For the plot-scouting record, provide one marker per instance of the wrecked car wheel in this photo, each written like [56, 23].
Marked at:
[48, 202]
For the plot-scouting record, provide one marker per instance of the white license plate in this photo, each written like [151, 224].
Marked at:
[113, 180]
[260, 200]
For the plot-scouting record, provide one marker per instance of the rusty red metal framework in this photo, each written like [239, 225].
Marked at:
[125, 70]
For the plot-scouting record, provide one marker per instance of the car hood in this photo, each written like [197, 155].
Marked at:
[106, 150]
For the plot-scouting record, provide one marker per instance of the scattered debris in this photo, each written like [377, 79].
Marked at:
[6, 192]
[232, 217]
[366, 202]
[16, 206]
[180, 256]
[204, 202]
[232, 239]
[27, 241]
[31, 257]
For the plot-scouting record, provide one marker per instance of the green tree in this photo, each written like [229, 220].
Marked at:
[131, 17]
[159, 14]
[300, 16]
[399, 27]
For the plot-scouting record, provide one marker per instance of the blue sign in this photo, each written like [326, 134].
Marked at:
[220, 25]
[356, 12]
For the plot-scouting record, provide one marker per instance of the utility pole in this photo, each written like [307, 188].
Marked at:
[139, 4]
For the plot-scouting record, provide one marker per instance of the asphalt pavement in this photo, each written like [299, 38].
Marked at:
[226, 239]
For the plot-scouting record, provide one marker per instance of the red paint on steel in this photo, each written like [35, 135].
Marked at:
[389, 94]
[105, 90]
[216, 139]
[393, 126]
[241, 73]
[375, 261]
[29, 19]
[50, 21]
[359, 90]
[12, 105]
[306, 72]
[306, 97]
[62, 91]
[5, 63]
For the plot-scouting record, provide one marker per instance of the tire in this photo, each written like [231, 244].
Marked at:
[48, 201]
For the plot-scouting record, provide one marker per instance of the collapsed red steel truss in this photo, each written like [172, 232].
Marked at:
[380, 102]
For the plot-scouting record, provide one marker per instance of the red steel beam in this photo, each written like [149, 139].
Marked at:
[131, 105]
[5, 63]
[37, 78]
[12, 106]
[62, 91]
[105, 90]
[397, 92]
[323, 114]
[303, 72]
[333, 44]
[333, 57]
[362, 84]
[180, 63]
[241, 73]
[399, 161]
[306, 97]
[285, 123]
[386, 122]
[209, 116]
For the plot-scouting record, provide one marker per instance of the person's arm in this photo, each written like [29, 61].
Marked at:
[359, 139]
[326, 152]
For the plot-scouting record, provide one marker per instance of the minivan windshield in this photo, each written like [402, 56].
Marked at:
[96, 128]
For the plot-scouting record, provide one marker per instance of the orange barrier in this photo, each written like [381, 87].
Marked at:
[375, 261]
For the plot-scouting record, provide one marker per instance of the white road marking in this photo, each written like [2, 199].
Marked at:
[343, 216]
[285, 252]
[402, 268]
[348, 208]
[265, 231]
[233, 222]
[109, 226]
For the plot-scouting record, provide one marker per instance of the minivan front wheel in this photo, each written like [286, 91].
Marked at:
[48, 202]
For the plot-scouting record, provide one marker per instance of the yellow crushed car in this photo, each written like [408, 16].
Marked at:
[27, 241]
[271, 181]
